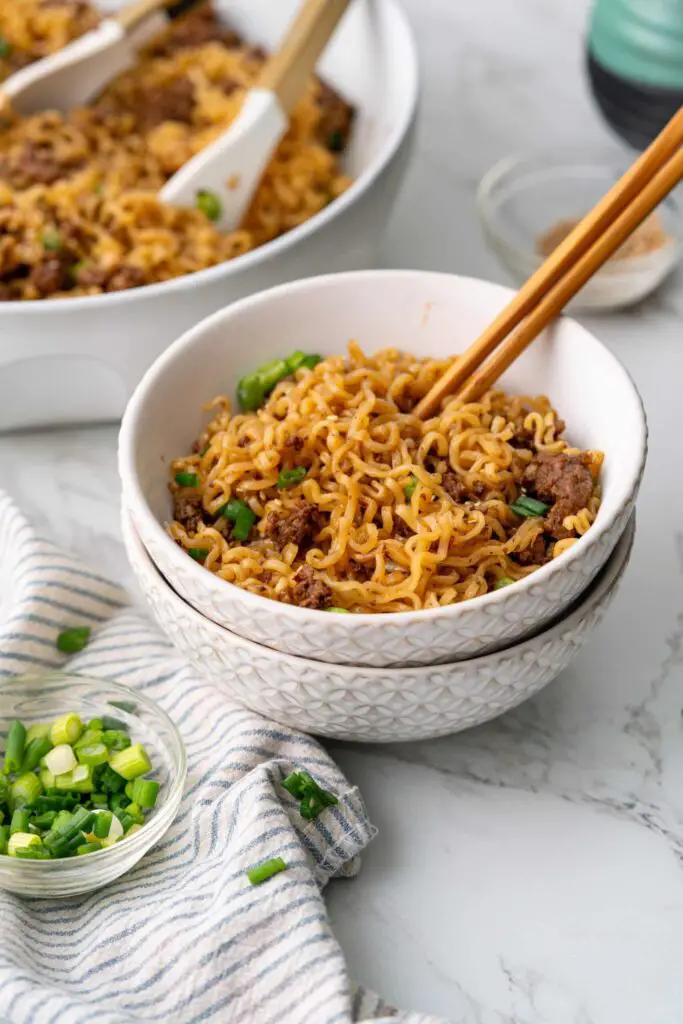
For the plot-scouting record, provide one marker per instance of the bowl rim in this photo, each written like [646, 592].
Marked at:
[593, 595]
[133, 493]
[140, 841]
[567, 163]
[274, 248]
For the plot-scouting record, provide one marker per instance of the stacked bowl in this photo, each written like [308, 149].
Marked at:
[395, 676]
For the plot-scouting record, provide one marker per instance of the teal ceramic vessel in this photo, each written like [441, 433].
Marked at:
[635, 64]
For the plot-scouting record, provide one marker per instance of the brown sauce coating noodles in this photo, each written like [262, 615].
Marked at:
[79, 213]
[392, 514]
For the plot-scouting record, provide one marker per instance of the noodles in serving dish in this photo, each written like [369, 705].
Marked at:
[78, 208]
[327, 492]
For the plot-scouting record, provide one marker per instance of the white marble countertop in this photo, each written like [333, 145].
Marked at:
[529, 871]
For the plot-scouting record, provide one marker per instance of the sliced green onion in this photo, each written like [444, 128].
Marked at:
[110, 724]
[115, 739]
[4, 838]
[110, 781]
[25, 789]
[44, 821]
[52, 241]
[409, 489]
[290, 477]
[14, 752]
[131, 762]
[19, 822]
[264, 871]
[134, 811]
[527, 507]
[79, 780]
[66, 729]
[60, 760]
[88, 739]
[335, 141]
[503, 581]
[239, 513]
[71, 641]
[199, 554]
[339, 611]
[47, 779]
[145, 792]
[299, 359]
[95, 725]
[209, 204]
[187, 479]
[34, 751]
[118, 802]
[253, 388]
[103, 824]
[100, 800]
[22, 841]
[96, 754]
[4, 789]
[90, 847]
[37, 732]
[313, 798]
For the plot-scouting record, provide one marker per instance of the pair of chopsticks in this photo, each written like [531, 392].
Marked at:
[597, 237]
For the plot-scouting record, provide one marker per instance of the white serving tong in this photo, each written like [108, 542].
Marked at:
[231, 167]
[80, 70]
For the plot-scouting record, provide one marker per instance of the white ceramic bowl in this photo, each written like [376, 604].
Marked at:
[374, 704]
[84, 356]
[429, 314]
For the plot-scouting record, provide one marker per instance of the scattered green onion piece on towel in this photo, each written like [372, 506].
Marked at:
[312, 798]
[71, 641]
[262, 872]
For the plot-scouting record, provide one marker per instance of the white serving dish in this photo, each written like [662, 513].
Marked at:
[376, 705]
[428, 314]
[78, 360]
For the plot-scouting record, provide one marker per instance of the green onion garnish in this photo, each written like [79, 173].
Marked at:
[33, 751]
[187, 479]
[14, 753]
[313, 798]
[409, 489]
[503, 581]
[199, 554]
[131, 762]
[73, 640]
[239, 513]
[5, 47]
[209, 204]
[66, 729]
[339, 611]
[335, 141]
[290, 477]
[25, 789]
[528, 507]
[264, 871]
[52, 241]
[253, 388]
[116, 739]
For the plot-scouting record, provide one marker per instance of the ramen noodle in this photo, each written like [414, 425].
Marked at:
[329, 493]
[78, 208]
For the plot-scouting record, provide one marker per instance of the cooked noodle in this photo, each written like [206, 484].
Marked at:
[78, 208]
[372, 547]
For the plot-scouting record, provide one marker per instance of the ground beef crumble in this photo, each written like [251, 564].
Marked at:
[297, 526]
[309, 591]
[563, 481]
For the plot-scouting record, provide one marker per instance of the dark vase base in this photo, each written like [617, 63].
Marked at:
[635, 110]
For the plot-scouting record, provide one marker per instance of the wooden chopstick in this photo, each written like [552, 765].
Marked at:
[560, 261]
[575, 278]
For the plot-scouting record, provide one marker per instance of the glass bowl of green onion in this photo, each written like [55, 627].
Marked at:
[92, 777]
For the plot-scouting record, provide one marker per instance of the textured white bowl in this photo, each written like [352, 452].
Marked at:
[430, 314]
[372, 704]
[84, 356]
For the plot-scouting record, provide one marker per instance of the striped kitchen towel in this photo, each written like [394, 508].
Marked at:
[183, 937]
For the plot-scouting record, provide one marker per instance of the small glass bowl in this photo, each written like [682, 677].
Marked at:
[35, 699]
[521, 198]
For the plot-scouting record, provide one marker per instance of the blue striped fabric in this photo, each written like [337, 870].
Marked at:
[184, 937]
